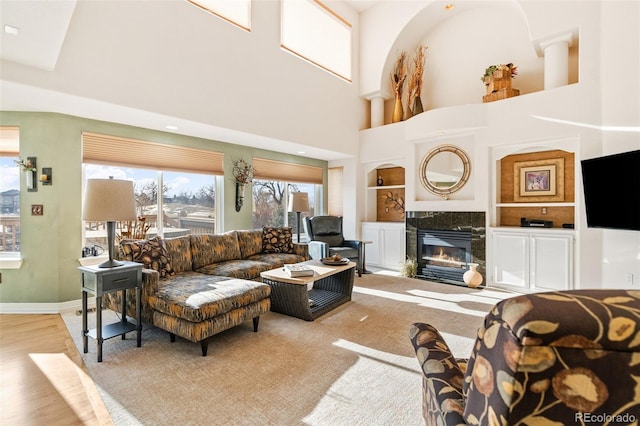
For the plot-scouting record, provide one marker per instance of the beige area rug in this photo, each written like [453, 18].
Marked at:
[353, 366]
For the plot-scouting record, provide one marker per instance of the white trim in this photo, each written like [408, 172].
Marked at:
[10, 263]
[45, 308]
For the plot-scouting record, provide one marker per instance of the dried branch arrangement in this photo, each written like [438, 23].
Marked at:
[414, 104]
[399, 73]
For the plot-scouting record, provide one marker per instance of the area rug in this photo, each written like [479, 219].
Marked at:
[352, 366]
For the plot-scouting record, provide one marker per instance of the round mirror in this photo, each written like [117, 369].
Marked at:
[444, 170]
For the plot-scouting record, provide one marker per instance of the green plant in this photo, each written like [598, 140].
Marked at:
[488, 72]
[409, 268]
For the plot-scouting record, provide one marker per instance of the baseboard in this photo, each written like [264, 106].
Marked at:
[45, 308]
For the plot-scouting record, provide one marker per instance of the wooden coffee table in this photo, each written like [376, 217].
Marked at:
[332, 286]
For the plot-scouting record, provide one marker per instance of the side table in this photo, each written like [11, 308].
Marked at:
[364, 256]
[99, 281]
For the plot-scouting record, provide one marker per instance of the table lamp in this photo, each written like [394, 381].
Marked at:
[299, 202]
[109, 200]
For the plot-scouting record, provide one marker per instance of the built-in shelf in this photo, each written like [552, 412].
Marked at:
[386, 187]
[536, 204]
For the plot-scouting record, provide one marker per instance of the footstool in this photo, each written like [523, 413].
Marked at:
[203, 305]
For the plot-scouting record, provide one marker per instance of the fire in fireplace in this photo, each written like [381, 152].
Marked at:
[443, 255]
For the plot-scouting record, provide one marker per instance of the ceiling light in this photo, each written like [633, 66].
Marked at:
[448, 6]
[10, 29]
[170, 127]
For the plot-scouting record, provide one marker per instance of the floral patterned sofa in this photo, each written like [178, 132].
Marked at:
[558, 358]
[195, 286]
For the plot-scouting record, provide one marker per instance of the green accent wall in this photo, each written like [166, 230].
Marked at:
[51, 244]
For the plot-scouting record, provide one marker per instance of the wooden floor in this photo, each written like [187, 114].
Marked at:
[43, 380]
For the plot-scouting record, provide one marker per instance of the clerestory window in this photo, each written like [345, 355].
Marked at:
[312, 31]
[238, 12]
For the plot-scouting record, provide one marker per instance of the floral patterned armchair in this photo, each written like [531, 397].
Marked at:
[566, 357]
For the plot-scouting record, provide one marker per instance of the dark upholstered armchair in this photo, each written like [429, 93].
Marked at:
[326, 239]
[566, 357]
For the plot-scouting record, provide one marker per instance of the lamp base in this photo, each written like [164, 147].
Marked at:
[110, 264]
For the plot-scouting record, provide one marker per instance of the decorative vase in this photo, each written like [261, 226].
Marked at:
[29, 178]
[380, 182]
[398, 112]
[472, 277]
[417, 106]
[239, 195]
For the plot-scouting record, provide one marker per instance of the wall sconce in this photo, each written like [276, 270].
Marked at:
[46, 176]
[28, 166]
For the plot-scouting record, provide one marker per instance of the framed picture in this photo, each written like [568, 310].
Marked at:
[539, 181]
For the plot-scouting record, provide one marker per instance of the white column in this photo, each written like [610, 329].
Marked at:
[377, 111]
[377, 107]
[555, 50]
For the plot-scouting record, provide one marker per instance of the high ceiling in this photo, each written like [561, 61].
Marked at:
[32, 33]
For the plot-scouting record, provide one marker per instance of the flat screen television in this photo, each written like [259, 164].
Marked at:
[612, 191]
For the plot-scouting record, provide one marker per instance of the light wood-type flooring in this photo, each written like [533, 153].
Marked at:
[43, 380]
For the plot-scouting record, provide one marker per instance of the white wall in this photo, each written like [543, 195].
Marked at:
[570, 116]
[174, 59]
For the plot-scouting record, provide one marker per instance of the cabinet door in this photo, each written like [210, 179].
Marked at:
[393, 248]
[551, 262]
[372, 250]
[510, 259]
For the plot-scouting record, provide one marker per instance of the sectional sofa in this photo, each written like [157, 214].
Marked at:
[195, 286]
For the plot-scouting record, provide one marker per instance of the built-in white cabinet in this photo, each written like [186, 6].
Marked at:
[531, 260]
[385, 246]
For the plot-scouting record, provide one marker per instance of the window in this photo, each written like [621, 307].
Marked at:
[238, 12]
[175, 187]
[271, 200]
[9, 192]
[274, 182]
[315, 33]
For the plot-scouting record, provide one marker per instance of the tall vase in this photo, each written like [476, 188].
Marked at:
[417, 105]
[397, 109]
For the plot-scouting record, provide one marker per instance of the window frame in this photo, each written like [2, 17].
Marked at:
[304, 52]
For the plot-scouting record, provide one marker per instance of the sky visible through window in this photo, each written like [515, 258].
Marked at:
[9, 173]
[176, 183]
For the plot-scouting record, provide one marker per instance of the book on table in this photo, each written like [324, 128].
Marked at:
[298, 271]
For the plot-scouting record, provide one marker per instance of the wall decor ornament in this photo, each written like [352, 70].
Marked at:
[395, 200]
[444, 170]
[539, 180]
[29, 168]
[243, 174]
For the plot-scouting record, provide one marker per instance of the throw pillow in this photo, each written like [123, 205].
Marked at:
[277, 239]
[151, 253]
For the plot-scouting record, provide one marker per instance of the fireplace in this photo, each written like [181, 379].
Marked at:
[445, 243]
[443, 255]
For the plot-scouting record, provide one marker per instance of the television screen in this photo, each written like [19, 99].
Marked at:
[612, 191]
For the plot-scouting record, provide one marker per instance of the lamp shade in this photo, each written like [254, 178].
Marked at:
[299, 202]
[109, 200]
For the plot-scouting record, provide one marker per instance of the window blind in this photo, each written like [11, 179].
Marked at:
[334, 189]
[289, 172]
[119, 151]
[9, 141]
